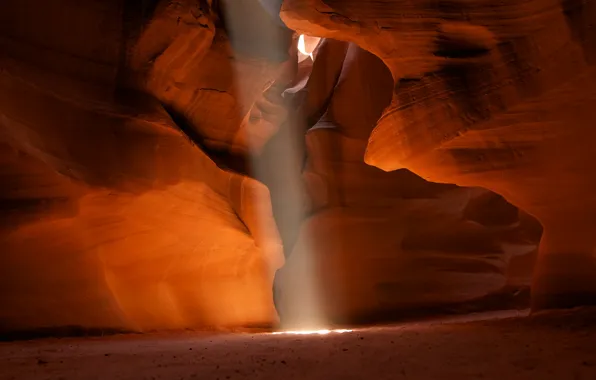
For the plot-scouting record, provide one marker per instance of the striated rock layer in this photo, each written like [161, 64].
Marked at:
[494, 95]
[155, 170]
[380, 243]
[111, 216]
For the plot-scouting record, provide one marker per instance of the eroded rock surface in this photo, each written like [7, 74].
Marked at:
[155, 167]
[113, 217]
[376, 242]
[498, 95]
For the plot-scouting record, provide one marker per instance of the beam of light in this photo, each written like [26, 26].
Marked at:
[311, 332]
[282, 173]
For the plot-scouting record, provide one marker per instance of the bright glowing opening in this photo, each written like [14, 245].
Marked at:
[302, 46]
[306, 46]
[312, 332]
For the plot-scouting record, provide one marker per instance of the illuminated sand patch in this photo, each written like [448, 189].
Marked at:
[311, 332]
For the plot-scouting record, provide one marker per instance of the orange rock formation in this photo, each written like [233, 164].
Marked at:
[161, 160]
[498, 95]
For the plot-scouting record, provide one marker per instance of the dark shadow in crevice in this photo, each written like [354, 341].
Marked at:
[579, 15]
[223, 159]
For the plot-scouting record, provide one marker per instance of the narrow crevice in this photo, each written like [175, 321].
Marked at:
[222, 159]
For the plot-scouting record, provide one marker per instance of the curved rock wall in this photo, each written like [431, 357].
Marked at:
[153, 175]
[379, 243]
[493, 95]
[113, 218]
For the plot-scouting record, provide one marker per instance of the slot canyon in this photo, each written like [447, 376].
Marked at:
[309, 189]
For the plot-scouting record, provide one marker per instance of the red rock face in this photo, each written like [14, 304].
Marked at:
[114, 218]
[380, 243]
[155, 170]
[493, 95]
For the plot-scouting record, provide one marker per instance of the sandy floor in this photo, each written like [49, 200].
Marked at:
[560, 346]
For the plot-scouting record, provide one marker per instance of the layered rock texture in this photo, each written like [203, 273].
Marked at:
[112, 217]
[380, 243]
[493, 94]
[160, 161]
